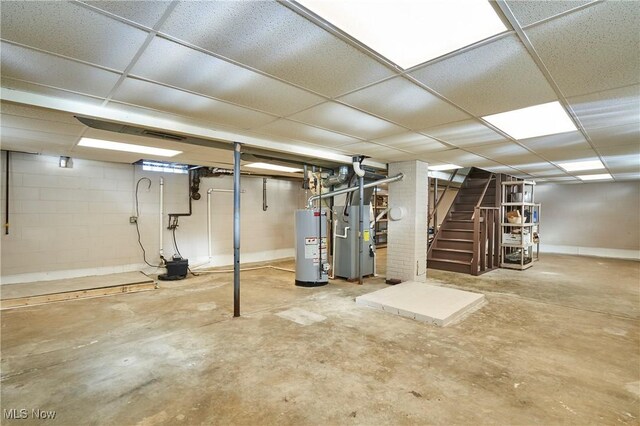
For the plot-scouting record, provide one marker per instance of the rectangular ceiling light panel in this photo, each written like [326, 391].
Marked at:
[410, 32]
[603, 176]
[444, 167]
[582, 165]
[127, 147]
[275, 167]
[533, 121]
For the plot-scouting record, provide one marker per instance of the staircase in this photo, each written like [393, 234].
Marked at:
[468, 239]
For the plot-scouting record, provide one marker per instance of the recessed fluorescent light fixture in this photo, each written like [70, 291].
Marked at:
[275, 167]
[127, 147]
[537, 120]
[582, 165]
[603, 176]
[410, 32]
[444, 167]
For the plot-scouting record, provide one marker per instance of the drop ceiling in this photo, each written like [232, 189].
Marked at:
[261, 72]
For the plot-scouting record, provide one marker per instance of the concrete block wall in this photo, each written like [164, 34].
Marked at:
[407, 238]
[75, 222]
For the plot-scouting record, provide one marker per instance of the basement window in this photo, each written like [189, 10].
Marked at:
[161, 166]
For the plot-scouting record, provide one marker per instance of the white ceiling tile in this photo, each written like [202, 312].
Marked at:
[48, 126]
[502, 169]
[460, 158]
[505, 152]
[530, 11]
[272, 38]
[175, 101]
[615, 107]
[25, 86]
[71, 30]
[615, 136]
[343, 119]
[622, 159]
[627, 176]
[489, 78]
[412, 142]
[550, 144]
[464, 133]
[539, 168]
[30, 65]
[376, 152]
[406, 103]
[569, 155]
[202, 73]
[12, 137]
[302, 132]
[23, 110]
[145, 13]
[593, 49]
[563, 179]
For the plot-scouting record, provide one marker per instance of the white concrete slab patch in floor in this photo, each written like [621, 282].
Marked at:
[300, 316]
[424, 302]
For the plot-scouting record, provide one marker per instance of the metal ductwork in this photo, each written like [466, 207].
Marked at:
[337, 179]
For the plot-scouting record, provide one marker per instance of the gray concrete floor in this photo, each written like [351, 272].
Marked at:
[558, 343]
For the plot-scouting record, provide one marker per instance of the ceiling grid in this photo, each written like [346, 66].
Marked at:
[314, 85]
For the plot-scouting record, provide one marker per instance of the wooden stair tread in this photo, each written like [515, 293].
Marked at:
[458, 262]
[459, 240]
[457, 230]
[453, 250]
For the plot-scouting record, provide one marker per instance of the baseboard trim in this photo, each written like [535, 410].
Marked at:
[591, 251]
[200, 262]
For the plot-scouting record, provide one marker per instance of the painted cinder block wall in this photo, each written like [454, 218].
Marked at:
[407, 238]
[593, 219]
[75, 222]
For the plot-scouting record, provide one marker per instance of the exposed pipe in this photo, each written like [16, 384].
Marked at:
[360, 226]
[320, 264]
[236, 228]
[6, 201]
[209, 248]
[357, 167]
[331, 194]
[332, 275]
[341, 177]
[346, 231]
[264, 195]
[161, 225]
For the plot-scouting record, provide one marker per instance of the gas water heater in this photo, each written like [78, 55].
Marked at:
[311, 248]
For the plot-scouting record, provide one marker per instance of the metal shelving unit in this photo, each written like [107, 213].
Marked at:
[519, 237]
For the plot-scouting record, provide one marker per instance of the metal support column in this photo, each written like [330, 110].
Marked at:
[361, 227]
[236, 229]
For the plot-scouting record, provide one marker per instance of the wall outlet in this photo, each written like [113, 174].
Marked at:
[133, 219]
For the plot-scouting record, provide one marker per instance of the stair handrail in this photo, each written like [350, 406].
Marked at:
[453, 175]
[478, 260]
[436, 230]
[484, 191]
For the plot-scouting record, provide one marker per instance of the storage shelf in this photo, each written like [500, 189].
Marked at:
[520, 204]
[528, 252]
[380, 203]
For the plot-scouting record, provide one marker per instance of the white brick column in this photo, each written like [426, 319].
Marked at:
[407, 237]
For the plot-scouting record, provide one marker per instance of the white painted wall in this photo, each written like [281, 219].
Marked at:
[75, 222]
[593, 219]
